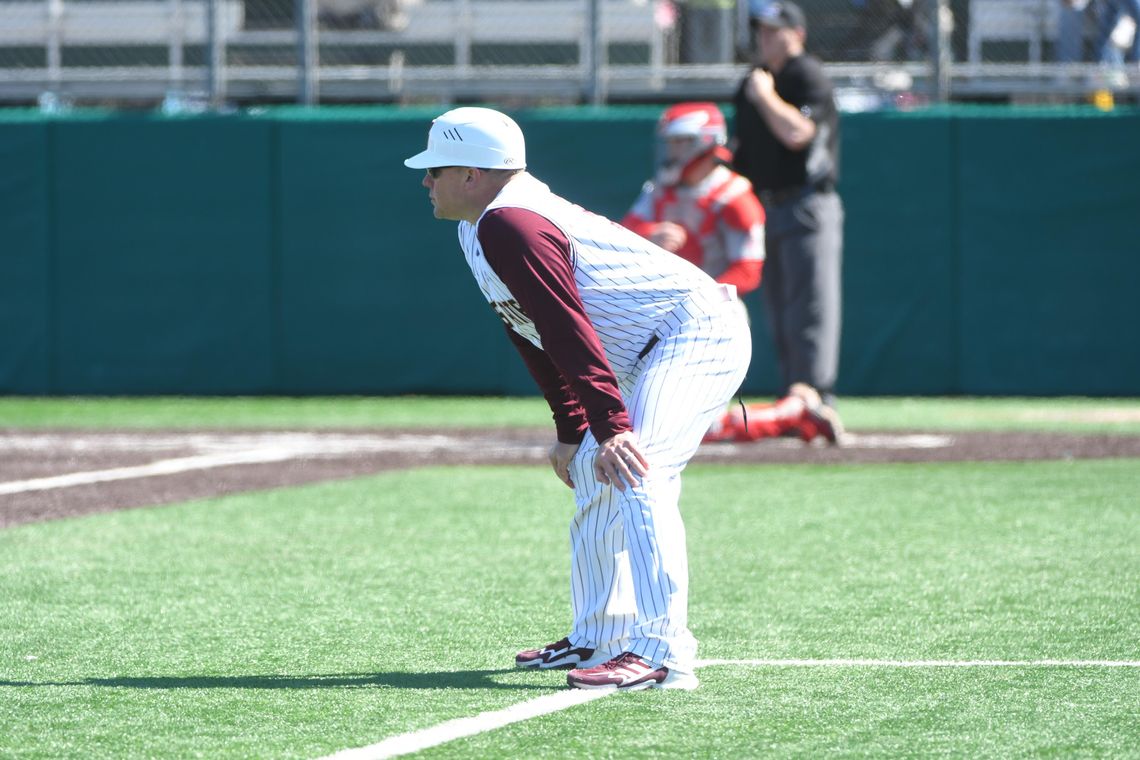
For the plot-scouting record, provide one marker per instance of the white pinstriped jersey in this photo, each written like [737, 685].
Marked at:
[627, 284]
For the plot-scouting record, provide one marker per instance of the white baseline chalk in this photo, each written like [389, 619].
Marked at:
[162, 467]
[415, 741]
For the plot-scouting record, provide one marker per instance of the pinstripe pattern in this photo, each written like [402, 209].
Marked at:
[626, 283]
[628, 550]
[629, 566]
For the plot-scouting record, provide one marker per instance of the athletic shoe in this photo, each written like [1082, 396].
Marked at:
[818, 419]
[560, 654]
[823, 420]
[629, 672]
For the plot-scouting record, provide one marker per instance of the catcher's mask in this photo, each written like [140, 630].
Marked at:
[686, 133]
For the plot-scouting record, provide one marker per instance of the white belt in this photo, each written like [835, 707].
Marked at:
[711, 297]
[682, 312]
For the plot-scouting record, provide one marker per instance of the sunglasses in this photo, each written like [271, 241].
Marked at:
[435, 171]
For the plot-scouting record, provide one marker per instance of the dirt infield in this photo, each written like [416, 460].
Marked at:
[54, 474]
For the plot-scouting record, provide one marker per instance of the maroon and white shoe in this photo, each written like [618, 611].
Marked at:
[560, 654]
[630, 672]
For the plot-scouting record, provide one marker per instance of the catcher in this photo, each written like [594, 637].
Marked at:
[703, 211]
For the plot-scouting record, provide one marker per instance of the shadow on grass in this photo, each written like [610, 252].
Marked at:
[450, 679]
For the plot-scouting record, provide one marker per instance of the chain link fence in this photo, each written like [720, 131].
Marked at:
[199, 54]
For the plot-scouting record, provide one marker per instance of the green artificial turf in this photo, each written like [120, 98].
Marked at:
[271, 412]
[299, 621]
[1092, 415]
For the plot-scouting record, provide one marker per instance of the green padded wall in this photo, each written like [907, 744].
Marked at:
[370, 300]
[899, 274]
[290, 251]
[25, 258]
[164, 263]
[1050, 254]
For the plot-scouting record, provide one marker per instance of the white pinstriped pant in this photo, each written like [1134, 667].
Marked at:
[629, 564]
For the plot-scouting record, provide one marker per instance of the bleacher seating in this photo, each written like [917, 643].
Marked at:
[461, 23]
[113, 22]
[1033, 22]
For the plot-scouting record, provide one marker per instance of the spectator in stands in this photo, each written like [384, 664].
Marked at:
[1071, 31]
[1118, 21]
[706, 31]
[896, 30]
[886, 30]
[364, 14]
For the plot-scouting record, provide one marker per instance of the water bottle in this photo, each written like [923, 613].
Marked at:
[52, 103]
[173, 103]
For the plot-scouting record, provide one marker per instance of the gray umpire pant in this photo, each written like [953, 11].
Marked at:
[802, 287]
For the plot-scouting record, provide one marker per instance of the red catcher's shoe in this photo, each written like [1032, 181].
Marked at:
[818, 418]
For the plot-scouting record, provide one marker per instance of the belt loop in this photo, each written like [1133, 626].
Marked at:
[648, 347]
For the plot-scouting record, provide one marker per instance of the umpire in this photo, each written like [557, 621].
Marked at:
[787, 143]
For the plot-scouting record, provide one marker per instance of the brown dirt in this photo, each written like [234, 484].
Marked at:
[332, 454]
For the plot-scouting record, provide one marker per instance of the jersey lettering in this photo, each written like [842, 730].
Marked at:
[513, 316]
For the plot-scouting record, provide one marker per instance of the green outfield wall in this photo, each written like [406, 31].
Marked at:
[988, 251]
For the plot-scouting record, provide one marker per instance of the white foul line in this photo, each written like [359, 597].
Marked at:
[219, 450]
[460, 727]
[414, 741]
[163, 467]
[862, 663]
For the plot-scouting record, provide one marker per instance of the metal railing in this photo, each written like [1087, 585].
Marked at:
[209, 53]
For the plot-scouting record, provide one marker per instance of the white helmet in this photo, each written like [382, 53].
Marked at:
[686, 133]
[479, 137]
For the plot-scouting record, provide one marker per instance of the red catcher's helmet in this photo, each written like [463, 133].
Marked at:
[686, 133]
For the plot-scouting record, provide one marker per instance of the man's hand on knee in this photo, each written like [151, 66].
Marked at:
[560, 456]
[619, 461]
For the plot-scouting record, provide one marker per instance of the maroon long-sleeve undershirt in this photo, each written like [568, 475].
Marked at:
[532, 257]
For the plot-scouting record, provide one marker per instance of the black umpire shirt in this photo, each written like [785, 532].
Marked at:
[763, 159]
